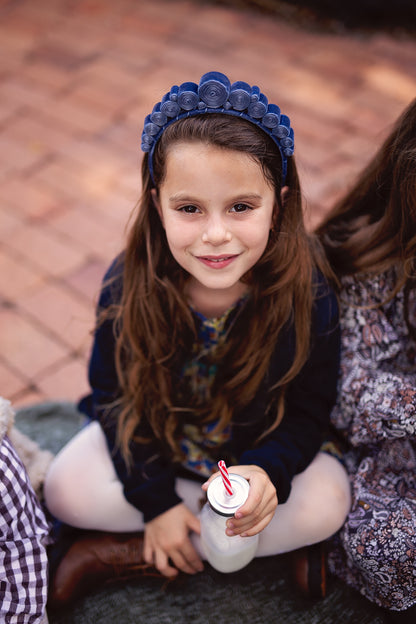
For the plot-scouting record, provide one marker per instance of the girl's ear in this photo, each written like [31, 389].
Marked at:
[283, 194]
[156, 202]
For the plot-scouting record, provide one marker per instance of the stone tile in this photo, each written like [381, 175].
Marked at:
[10, 222]
[16, 278]
[19, 157]
[25, 347]
[102, 237]
[61, 313]
[88, 278]
[67, 382]
[78, 118]
[76, 181]
[33, 200]
[56, 54]
[35, 127]
[22, 93]
[46, 249]
[391, 82]
[28, 396]
[11, 382]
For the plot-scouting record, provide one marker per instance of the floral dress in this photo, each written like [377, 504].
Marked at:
[375, 551]
[200, 444]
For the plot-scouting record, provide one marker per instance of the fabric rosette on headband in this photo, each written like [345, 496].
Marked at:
[216, 94]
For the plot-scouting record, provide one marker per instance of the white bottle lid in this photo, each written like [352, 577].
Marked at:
[226, 504]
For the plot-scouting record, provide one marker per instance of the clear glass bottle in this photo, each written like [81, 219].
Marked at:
[225, 553]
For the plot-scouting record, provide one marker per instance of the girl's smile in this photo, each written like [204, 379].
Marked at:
[217, 262]
[217, 210]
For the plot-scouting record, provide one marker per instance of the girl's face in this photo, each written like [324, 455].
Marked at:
[217, 210]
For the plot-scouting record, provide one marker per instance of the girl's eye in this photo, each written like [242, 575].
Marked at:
[190, 209]
[240, 208]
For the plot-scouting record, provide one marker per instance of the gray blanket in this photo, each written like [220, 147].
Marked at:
[261, 593]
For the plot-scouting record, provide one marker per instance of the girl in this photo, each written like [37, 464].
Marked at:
[370, 239]
[217, 337]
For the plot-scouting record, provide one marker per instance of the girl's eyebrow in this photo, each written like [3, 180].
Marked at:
[180, 197]
[239, 197]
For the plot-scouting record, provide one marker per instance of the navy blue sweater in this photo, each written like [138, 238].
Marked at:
[149, 484]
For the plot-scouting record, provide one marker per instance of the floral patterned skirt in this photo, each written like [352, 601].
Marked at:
[375, 551]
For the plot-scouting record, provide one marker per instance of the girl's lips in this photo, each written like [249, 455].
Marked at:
[217, 262]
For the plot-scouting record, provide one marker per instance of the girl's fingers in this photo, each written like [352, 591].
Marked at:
[148, 553]
[161, 562]
[252, 526]
[205, 485]
[258, 527]
[239, 525]
[187, 561]
[267, 502]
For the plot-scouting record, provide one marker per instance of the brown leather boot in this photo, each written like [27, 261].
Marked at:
[93, 558]
[309, 570]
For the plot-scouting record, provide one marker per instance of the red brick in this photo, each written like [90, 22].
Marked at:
[16, 278]
[87, 279]
[102, 236]
[68, 381]
[77, 117]
[62, 313]
[11, 382]
[20, 157]
[23, 93]
[35, 127]
[25, 347]
[48, 251]
[31, 200]
[28, 397]
[10, 222]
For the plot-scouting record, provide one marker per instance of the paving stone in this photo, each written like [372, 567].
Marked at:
[25, 347]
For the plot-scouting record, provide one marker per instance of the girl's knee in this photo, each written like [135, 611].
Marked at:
[62, 497]
[323, 493]
[338, 496]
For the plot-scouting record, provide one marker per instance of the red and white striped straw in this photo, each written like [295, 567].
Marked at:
[225, 477]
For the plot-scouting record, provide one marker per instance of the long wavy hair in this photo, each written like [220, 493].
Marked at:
[373, 227]
[156, 329]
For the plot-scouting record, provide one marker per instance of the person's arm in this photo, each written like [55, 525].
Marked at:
[290, 448]
[379, 405]
[149, 484]
[377, 391]
[23, 535]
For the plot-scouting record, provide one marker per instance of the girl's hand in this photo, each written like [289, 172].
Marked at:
[166, 537]
[260, 505]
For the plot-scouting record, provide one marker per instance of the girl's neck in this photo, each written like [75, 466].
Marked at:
[213, 303]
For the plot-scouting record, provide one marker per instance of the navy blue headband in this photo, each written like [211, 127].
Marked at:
[215, 94]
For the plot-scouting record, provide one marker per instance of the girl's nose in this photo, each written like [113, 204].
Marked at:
[216, 232]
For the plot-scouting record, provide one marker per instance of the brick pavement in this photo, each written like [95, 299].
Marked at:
[77, 78]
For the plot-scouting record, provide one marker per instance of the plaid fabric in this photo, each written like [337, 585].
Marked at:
[23, 537]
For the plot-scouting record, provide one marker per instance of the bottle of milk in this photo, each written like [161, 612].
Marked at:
[225, 553]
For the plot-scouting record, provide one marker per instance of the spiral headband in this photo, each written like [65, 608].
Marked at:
[215, 94]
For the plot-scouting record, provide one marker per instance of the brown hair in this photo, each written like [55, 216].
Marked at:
[374, 225]
[156, 328]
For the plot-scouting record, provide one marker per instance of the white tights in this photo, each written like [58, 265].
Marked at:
[83, 490]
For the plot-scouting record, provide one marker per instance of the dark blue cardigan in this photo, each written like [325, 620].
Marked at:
[149, 484]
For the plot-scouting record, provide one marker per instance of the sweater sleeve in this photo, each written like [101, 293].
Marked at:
[149, 483]
[290, 448]
[380, 405]
[377, 387]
